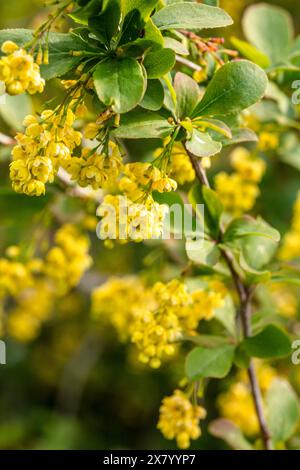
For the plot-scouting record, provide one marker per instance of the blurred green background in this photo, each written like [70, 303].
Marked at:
[75, 387]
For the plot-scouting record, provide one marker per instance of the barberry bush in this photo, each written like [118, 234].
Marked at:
[134, 107]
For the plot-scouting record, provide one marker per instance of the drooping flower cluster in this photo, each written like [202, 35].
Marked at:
[33, 285]
[134, 215]
[124, 220]
[33, 308]
[18, 71]
[239, 191]
[180, 168]
[67, 261]
[290, 248]
[176, 312]
[237, 405]
[94, 169]
[140, 179]
[13, 277]
[45, 145]
[179, 419]
[119, 302]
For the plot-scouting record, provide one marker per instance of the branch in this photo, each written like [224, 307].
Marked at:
[188, 63]
[244, 294]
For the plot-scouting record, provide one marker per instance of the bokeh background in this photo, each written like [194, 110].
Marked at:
[75, 386]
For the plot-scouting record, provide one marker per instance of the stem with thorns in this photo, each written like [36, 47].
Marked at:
[244, 294]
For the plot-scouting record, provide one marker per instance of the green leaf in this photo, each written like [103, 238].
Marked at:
[236, 86]
[82, 14]
[14, 110]
[271, 342]
[212, 3]
[255, 240]
[186, 15]
[144, 7]
[241, 358]
[230, 433]
[188, 94]
[246, 225]
[239, 135]
[159, 63]
[201, 144]
[105, 25]
[250, 52]
[141, 124]
[226, 315]
[154, 96]
[203, 252]
[205, 362]
[270, 29]
[208, 341]
[254, 275]
[176, 46]
[214, 208]
[215, 127]
[257, 252]
[283, 412]
[120, 83]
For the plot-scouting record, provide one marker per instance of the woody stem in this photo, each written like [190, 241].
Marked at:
[244, 294]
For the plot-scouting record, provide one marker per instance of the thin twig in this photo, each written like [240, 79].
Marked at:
[188, 63]
[244, 294]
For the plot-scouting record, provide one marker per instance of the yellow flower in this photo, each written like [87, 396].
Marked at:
[237, 195]
[120, 301]
[125, 220]
[142, 178]
[179, 419]
[285, 299]
[236, 404]
[93, 169]
[33, 307]
[18, 71]
[14, 277]
[45, 145]
[181, 169]
[268, 141]
[66, 262]
[248, 167]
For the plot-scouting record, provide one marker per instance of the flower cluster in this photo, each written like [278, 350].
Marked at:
[67, 261]
[179, 419]
[134, 215]
[125, 220]
[14, 277]
[18, 71]
[181, 169]
[45, 145]
[141, 179]
[94, 169]
[35, 284]
[290, 248]
[34, 306]
[120, 301]
[239, 191]
[176, 312]
[236, 404]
